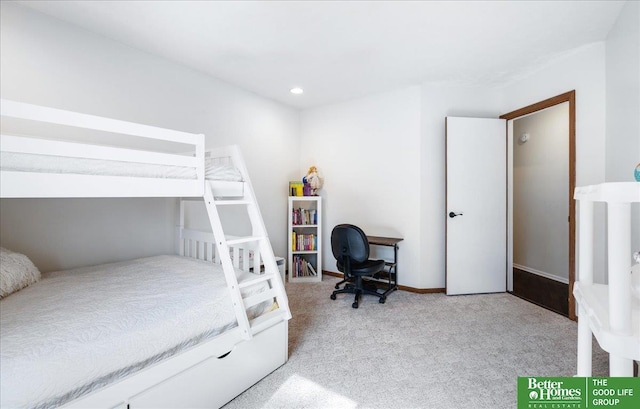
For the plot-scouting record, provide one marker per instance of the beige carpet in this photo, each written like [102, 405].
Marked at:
[415, 351]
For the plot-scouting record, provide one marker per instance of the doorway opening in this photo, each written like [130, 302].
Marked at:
[541, 208]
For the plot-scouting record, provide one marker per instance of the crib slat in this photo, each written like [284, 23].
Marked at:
[210, 248]
[257, 262]
[236, 257]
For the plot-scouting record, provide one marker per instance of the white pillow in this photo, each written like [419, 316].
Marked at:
[16, 272]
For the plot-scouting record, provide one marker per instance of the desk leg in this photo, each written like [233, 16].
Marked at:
[393, 273]
[392, 282]
[395, 266]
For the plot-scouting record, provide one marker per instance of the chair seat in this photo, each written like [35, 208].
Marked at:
[368, 267]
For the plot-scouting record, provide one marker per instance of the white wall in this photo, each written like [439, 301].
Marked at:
[398, 192]
[623, 95]
[623, 104]
[583, 70]
[334, 127]
[540, 193]
[383, 162]
[368, 151]
[65, 233]
[48, 62]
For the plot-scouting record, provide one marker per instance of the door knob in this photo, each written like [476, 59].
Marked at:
[452, 214]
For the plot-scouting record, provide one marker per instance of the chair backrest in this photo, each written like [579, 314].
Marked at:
[349, 242]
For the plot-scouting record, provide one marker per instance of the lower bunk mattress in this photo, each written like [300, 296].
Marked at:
[78, 330]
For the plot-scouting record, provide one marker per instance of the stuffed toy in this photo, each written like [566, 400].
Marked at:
[313, 179]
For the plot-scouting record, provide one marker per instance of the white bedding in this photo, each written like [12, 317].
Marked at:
[75, 330]
[27, 162]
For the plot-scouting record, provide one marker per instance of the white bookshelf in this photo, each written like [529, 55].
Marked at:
[304, 261]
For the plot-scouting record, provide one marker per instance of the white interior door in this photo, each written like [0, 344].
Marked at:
[476, 243]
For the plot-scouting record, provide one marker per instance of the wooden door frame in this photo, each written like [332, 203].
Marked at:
[569, 97]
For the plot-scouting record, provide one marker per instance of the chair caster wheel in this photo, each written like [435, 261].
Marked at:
[333, 296]
[354, 305]
[382, 300]
[337, 287]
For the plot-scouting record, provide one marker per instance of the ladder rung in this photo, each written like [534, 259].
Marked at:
[265, 321]
[258, 242]
[247, 239]
[228, 202]
[258, 298]
[252, 281]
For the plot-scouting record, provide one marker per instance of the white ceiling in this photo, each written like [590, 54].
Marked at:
[347, 49]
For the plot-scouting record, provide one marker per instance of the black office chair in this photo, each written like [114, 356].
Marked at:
[351, 249]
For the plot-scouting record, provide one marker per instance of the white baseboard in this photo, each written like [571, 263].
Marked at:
[541, 273]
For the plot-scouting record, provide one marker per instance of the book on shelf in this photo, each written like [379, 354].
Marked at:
[303, 268]
[296, 188]
[302, 216]
[303, 242]
[312, 270]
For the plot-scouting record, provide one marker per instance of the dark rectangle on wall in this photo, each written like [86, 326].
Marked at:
[550, 294]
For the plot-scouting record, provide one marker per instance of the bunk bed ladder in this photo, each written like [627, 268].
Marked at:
[259, 236]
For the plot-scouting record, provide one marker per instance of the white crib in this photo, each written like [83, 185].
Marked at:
[610, 312]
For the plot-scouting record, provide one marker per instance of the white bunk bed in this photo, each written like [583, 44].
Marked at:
[610, 312]
[54, 153]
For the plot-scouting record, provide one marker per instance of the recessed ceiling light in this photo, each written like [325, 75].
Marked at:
[296, 90]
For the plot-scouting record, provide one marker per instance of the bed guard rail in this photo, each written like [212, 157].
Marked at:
[38, 130]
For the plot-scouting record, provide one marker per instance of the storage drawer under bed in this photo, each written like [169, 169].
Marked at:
[217, 380]
[207, 376]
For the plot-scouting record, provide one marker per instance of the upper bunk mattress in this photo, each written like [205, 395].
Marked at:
[28, 162]
[77, 330]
